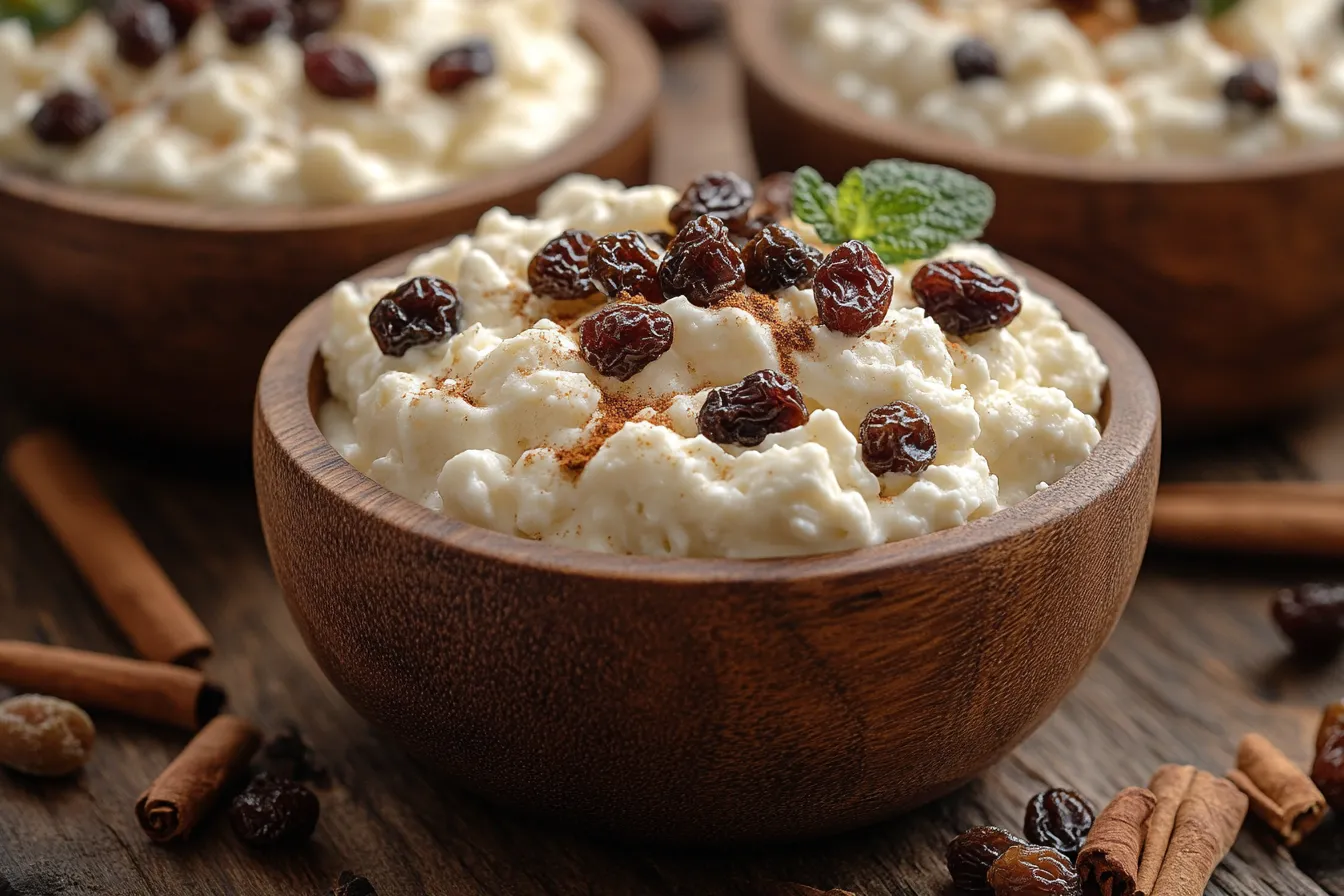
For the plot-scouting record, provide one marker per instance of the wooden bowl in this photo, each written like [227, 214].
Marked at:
[157, 314]
[698, 701]
[1226, 272]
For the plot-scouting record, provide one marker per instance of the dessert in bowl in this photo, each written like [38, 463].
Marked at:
[1123, 139]
[704, 543]
[172, 175]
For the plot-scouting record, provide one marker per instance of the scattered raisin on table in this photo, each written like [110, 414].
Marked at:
[1161, 12]
[144, 31]
[746, 412]
[1312, 617]
[622, 339]
[69, 117]
[460, 65]
[288, 755]
[1060, 819]
[897, 438]
[964, 298]
[420, 311]
[351, 884]
[1256, 85]
[560, 269]
[720, 194]
[247, 21]
[974, 59]
[44, 736]
[774, 195]
[339, 72]
[853, 289]
[623, 262]
[777, 258]
[184, 14]
[702, 263]
[309, 17]
[971, 853]
[1033, 871]
[274, 812]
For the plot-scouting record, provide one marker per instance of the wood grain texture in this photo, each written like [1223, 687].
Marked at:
[1224, 271]
[156, 315]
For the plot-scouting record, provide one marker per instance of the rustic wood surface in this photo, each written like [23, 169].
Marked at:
[1193, 665]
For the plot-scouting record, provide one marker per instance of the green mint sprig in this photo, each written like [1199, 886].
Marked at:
[43, 16]
[1215, 8]
[903, 210]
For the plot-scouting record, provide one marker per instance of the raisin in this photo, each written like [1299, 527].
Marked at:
[720, 194]
[144, 31]
[661, 238]
[754, 227]
[746, 412]
[460, 65]
[971, 853]
[183, 14]
[69, 117]
[702, 263]
[1060, 819]
[339, 72]
[774, 196]
[1033, 871]
[1312, 618]
[974, 59]
[274, 812]
[621, 340]
[248, 21]
[560, 269]
[853, 289]
[420, 311]
[309, 17]
[1327, 772]
[623, 262]
[673, 21]
[288, 755]
[897, 438]
[1162, 12]
[351, 884]
[777, 258]
[1256, 85]
[964, 298]
[44, 736]
[1332, 720]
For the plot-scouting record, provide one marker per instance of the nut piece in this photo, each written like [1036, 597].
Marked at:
[44, 736]
[1033, 871]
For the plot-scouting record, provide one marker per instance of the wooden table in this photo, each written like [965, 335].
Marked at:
[1193, 665]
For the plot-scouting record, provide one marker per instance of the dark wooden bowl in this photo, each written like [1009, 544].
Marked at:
[156, 315]
[702, 701]
[1225, 272]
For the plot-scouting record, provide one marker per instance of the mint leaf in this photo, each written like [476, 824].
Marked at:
[852, 202]
[1215, 8]
[43, 15]
[814, 201]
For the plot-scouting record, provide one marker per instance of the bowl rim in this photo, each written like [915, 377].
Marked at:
[284, 415]
[633, 79]
[756, 28]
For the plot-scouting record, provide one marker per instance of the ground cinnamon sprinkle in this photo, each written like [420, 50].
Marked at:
[450, 387]
[613, 412]
[791, 338]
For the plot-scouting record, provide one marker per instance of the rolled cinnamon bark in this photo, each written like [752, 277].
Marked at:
[1207, 823]
[1169, 785]
[1109, 861]
[1279, 791]
[192, 783]
[111, 557]
[155, 692]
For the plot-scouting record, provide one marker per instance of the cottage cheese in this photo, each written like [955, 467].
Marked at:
[1071, 88]
[478, 427]
[225, 124]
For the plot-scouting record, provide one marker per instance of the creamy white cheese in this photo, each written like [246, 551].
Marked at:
[225, 124]
[478, 426]
[1138, 91]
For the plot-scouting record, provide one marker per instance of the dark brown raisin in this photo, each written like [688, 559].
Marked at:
[702, 263]
[673, 21]
[971, 853]
[184, 14]
[144, 31]
[1060, 819]
[309, 17]
[621, 340]
[1332, 720]
[288, 755]
[774, 196]
[746, 412]
[755, 226]
[274, 812]
[460, 65]
[720, 194]
[964, 298]
[560, 269]
[623, 262]
[1327, 772]
[418, 312]
[661, 238]
[1312, 618]
[1161, 12]
[69, 117]
[853, 289]
[1033, 871]
[247, 21]
[351, 884]
[339, 72]
[777, 258]
[897, 438]
[974, 59]
[1256, 85]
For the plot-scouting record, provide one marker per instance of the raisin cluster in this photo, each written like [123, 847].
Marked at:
[992, 860]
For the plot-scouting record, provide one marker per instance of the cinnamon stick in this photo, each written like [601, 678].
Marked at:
[1279, 791]
[110, 556]
[1205, 827]
[1109, 861]
[1169, 785]
[1299, 519]
[155, 692]
[191, 784]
